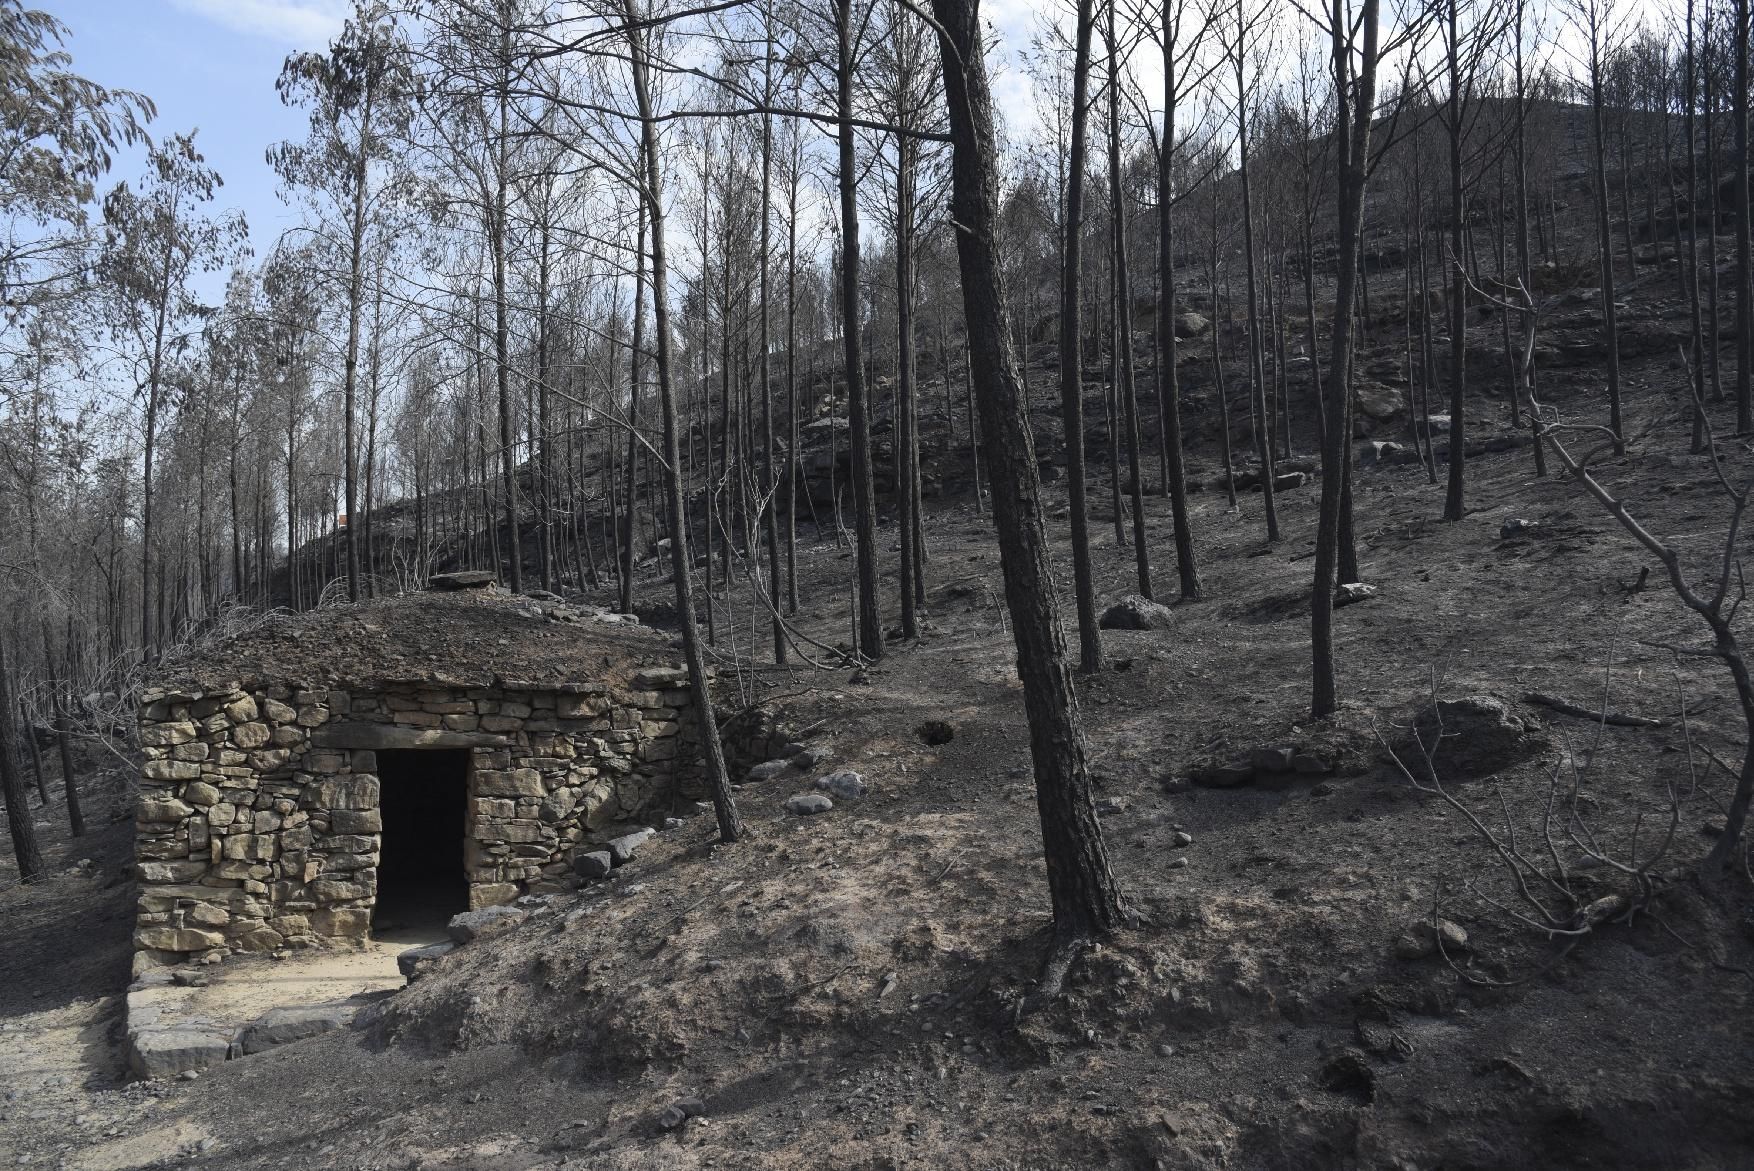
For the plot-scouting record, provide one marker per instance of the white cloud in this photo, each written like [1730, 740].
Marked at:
[300, 23]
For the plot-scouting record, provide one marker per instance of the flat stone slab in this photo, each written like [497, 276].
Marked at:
[282, 1026]
[463, 579]
[189, 1019]
[410, 961]
[346, 734]
[168, 1050]
[473, 925]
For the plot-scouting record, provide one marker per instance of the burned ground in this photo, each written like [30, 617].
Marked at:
[842, 990]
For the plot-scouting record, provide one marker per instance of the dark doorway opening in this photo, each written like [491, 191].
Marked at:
[422, 799]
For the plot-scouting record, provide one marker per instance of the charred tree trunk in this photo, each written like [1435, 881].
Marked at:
[1071, 351]
[1355, 99]
[858, 410]
[1087, 900]
[718, 780]
[18, 819]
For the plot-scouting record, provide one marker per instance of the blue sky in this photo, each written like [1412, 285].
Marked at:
[211, 65]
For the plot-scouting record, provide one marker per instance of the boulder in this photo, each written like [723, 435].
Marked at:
[1191, 325]
[1475, 736]
[593, 863]
[462, 579]
[1516, 526]
[1346, 593]
[810, 757]
[623, 848]
[1376, 401]
[1134, 612]
[1378, 452]
[767, 770]
[680, 1111]
[845, 784]
[410, 962]
[808, 804]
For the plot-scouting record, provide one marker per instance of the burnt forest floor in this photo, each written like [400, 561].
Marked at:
[841, 990]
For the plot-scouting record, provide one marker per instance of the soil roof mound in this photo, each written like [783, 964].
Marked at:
[466, 638]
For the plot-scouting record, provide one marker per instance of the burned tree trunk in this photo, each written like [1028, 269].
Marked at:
[1087, 900]
[1071, 352]
[24, 834]
[681, 563]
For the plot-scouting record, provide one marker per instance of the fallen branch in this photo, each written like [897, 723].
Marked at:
[1619, 719]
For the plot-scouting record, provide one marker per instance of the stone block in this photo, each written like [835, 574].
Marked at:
[194, 750]
[654, 750]
[523, 782]
[278, 712]
[660, 678]
[342, 922]
[166, 735]
[250, 847]
[574, 707]
[155, 809]
[260, 941]
[557, 805]
[354, 792]
[169, 1051]
[356, 821]
[171, 770]
[251, 735]
[361, 884]
[178, 939]
[242, 710]
[492, 894]
[312, 715]
[200, 793]
[158, 873]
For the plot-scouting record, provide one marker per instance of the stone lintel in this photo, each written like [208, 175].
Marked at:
[393, 736]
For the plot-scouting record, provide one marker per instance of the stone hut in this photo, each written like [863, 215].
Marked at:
[383, 766]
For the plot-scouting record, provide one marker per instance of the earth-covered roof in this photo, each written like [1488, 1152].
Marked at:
[463, 638]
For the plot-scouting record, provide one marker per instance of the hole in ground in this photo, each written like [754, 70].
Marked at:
[423, 795]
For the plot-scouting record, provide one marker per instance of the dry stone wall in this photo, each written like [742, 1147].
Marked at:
[259, 827]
